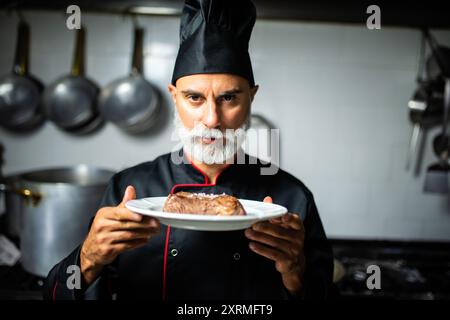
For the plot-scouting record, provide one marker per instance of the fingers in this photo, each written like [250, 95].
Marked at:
[289, 220]
[293, 221]
[111, 219]
[280, 239]
[267, 252]
[268, 199]
[120, 214]
[130, 194]
[277, 231]
[146, 223]
[287, 247]
[132, 244]
[126, 235]
[283, 263]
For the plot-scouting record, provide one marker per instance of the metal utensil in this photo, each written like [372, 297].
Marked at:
[426, 104]
[132, 103]
[70, 102]
[441, 142]
[437, 179]
[417, 105]
[425, 112]
[416, 118]
[20, 93]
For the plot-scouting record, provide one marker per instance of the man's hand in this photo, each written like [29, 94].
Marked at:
[281, 240]
[114, 230]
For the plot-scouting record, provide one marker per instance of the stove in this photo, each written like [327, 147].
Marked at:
[18, 284]
[408, 270]
[15, 282]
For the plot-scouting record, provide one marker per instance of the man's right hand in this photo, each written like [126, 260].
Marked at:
[113, 231]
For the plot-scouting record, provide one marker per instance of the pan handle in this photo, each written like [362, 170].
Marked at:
[20, 66]
[137, 62]
[78, 54]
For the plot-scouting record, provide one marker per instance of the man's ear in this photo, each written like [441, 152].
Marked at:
[173, 92]
[253, 92]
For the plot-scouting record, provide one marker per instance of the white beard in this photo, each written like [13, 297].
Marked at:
[223, 148]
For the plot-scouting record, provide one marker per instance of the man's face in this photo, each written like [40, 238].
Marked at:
[212, 114]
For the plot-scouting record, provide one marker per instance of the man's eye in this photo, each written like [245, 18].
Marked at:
[228, 98]
[194, 98]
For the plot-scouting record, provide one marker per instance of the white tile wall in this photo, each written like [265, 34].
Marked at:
[338, 93]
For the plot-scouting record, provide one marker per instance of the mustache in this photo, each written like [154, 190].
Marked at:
[203, 132]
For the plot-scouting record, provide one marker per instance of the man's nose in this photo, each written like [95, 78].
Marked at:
[211, 117]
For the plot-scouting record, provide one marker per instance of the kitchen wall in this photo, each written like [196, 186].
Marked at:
[338, 93]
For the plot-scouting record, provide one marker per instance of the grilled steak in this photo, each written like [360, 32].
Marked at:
[204, 204]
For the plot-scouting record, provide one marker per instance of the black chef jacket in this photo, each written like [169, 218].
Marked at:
[187, 264]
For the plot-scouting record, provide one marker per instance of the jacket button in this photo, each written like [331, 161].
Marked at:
[236, 256]
[174, 252]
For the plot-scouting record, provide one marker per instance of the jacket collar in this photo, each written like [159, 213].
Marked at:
[184, 171]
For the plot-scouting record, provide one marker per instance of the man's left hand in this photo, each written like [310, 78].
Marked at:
[281, 240]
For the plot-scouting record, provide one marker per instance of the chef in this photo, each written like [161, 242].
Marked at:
[126, 255]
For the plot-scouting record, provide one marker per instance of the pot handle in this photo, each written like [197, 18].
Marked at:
[25, 193]
[28, 195]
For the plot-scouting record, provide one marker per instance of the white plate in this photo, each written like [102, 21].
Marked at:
[256, 211]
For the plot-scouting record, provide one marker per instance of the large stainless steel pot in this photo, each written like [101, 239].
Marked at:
[58, 205]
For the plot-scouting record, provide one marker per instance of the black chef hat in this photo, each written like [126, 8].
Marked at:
[214, 36]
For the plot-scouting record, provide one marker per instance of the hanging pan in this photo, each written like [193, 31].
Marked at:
[20, 93]
[132, 103]
[70, 102]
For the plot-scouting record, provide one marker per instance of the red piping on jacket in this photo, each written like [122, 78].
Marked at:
[54, 291]
[166, 246]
